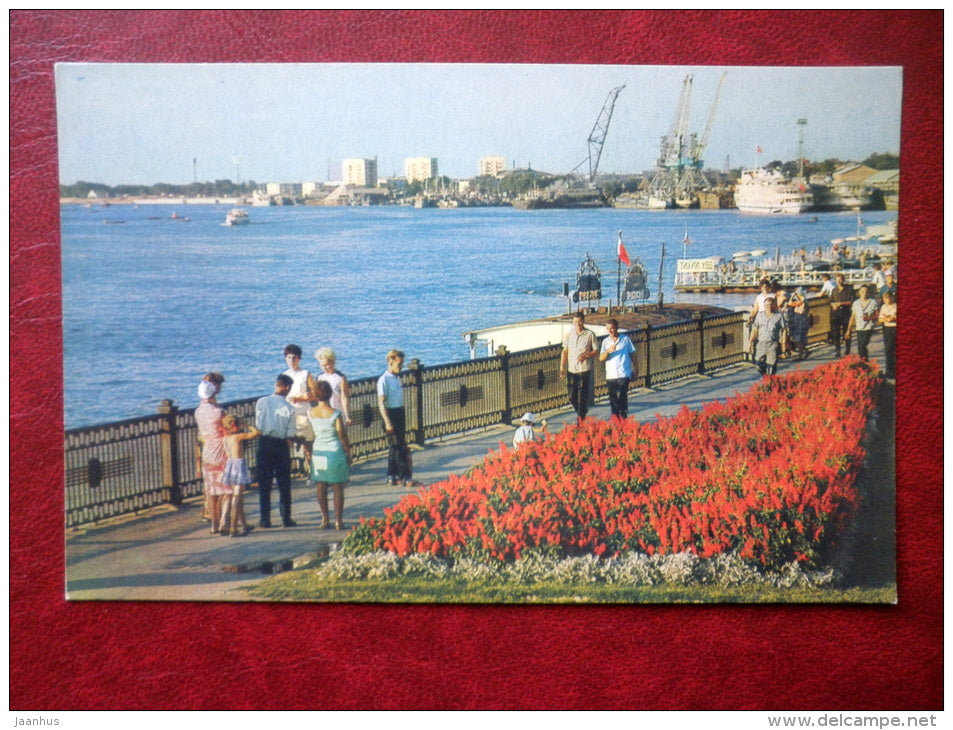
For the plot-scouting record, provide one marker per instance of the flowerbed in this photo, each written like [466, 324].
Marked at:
[768, 476]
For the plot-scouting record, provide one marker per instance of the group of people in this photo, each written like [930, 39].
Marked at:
[306, 410]
[579, 349]
[575, 365]
[780, 320]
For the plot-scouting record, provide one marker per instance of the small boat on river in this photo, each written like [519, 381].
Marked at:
[237, 217]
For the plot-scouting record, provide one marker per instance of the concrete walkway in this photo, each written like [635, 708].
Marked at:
[168, 553]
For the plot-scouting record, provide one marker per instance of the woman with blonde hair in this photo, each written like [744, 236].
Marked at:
[340, 390]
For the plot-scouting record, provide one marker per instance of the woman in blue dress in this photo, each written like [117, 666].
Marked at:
[330, 455]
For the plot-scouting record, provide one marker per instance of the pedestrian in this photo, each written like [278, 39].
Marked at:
[340, 389]
[236, 476]
[841, 299]
[799, 321]
[525, 431]
[575, 366]
[766, 290]
[766, 337]
[300, 396]
[781, 302]
[390, 401]
[878, 279]
[208, 421]
[863, 319]
[890, 284]
[275, 418]
[617, 353]
[827, 285]
[888, 318]
[331, 457]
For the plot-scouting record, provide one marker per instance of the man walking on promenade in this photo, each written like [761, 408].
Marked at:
[275, 418]
[841, 299]
[579, 347]
[617, 353]
[863, 320]
[766, 337]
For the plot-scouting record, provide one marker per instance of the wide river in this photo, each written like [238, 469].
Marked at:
[151, 303]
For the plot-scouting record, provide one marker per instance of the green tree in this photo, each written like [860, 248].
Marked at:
[883, 161]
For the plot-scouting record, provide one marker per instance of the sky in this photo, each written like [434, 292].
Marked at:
[147, 123]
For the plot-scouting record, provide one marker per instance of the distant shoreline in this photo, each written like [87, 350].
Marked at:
[149, 200]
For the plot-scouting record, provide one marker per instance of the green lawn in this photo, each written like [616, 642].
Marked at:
[307, 586]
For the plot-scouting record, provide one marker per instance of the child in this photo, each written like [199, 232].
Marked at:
[236, 475]
[525, 432]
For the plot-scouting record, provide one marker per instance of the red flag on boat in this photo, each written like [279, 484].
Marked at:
[622, 253]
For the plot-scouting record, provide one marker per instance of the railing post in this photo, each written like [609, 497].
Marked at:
[504, 355]
[417, 368]
[169, 448]
[700, 319]
[648, 356]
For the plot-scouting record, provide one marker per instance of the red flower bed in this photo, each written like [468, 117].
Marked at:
[769, 474]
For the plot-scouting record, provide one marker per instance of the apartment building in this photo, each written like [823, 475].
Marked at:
[492, 166]
[420, 168]
[359, 171]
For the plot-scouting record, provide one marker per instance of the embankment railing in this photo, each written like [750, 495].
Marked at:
[130, 465]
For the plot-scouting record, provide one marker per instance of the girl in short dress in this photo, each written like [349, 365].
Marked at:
[236, 476]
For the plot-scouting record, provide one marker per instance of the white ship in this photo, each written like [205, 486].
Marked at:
[769, 192]
[237, 217]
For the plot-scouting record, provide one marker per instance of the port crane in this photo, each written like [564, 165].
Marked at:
[597, 136]
[679, 174]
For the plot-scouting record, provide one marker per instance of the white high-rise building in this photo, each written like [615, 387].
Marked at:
[420, 168]
[492, 165]
[359, 171]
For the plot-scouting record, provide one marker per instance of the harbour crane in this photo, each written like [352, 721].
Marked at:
[698, 152]
[679, 176]
[597, 136]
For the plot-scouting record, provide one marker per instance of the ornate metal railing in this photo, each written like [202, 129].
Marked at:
[131, 465]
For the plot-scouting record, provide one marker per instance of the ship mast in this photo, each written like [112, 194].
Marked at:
[801, 123]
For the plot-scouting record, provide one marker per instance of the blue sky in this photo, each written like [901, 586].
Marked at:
[144, 123]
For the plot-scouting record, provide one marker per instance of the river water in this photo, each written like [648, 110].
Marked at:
[151, 303]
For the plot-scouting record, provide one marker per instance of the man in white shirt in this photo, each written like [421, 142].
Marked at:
[579, 347]
[274, 417]
[766, 337]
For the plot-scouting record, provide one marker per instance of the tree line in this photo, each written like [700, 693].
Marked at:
[512, 183]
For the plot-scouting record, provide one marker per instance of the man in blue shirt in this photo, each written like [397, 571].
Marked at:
[275, 418]
[390, 400]
[617, 353]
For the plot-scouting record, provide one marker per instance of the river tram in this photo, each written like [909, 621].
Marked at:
[853, 256]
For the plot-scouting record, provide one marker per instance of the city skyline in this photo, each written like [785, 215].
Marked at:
[149, 123]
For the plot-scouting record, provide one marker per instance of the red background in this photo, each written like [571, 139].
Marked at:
[99, 656]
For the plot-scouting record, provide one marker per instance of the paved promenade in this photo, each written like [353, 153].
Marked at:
[168, 553]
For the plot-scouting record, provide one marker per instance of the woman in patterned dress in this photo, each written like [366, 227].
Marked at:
[208, 420]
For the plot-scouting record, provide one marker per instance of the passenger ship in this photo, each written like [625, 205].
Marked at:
[769, 192]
